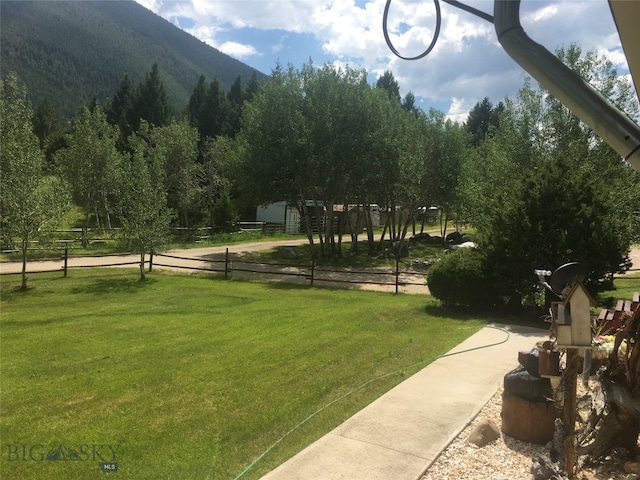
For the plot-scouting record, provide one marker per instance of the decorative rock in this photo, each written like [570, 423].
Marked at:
[485, 433]
[289, 253]
[588, 476]
[422, 265]
[542, 469]
[632, 467]
[401, 249]
[421, 238]
[436, 240]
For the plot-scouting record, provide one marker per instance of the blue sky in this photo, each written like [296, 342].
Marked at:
[466, 65]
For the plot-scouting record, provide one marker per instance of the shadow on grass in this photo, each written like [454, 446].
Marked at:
[525, 317]
[42, 322]
[114, 285]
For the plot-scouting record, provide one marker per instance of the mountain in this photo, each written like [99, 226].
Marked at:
[75, 51]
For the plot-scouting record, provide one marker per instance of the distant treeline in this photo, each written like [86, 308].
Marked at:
[73, 52]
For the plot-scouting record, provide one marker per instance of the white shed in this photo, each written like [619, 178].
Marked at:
[280, 213]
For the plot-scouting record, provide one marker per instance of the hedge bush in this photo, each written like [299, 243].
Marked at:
[460, 278]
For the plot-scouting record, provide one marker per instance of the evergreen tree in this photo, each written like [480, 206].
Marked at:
[481, 117]
[252, 88]
[48, 128]
[409, 102]
[197, 102]
[214, 118]
[553, 215]
[545, 190]
[236, 99]
[388, 83]
[151, 101]
[120, 110]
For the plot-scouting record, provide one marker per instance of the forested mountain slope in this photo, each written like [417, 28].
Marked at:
[74, 51]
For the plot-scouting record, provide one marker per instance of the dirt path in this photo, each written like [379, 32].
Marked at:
[206, 257]
[197, 254]
[212, 258]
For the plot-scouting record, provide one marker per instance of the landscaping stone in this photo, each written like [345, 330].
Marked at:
[486, 432]
[289, 253]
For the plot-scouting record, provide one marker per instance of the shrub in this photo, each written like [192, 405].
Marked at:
[460, 279]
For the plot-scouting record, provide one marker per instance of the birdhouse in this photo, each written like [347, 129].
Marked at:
[572, 317]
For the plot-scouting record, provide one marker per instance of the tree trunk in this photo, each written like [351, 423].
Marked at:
[353, 249]
[143, 275]
[369, 224]
[329, 239]
[85, 229]
[308, 227]
[107, 215]
[384, 232]
[25, 244]
[619, 427]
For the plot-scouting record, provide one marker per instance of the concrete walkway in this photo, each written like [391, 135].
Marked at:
[398, 436]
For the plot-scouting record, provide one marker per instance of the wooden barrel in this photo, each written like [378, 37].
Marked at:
[531, 422]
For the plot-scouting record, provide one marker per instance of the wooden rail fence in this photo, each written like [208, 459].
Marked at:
[228, 266]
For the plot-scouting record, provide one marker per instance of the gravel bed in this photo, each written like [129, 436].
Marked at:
[506, 458]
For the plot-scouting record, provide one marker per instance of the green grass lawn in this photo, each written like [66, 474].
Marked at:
[193, 377]
[624, 288]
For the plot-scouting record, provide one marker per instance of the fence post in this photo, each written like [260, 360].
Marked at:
[226, 264]
[397, 268]
[313, 268]
[151, 260]
[66, 259]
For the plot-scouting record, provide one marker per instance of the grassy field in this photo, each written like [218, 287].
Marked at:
[190, 377]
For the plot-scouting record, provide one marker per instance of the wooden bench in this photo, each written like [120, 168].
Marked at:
[610, 320]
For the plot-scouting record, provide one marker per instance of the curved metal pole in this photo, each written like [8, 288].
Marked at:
[613, 126]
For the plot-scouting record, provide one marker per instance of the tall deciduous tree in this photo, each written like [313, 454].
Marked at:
[274, 142]
[219, 160]
[90, 163]
[31, 204]
[314, 138]
[444, 157]
[142, 198]
[178, 144]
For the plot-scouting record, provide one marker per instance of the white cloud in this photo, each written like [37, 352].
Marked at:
[466, 65]
[278, 47]
[459, 109]
[237, 50]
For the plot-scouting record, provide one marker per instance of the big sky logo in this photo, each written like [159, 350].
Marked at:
[94, 452]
